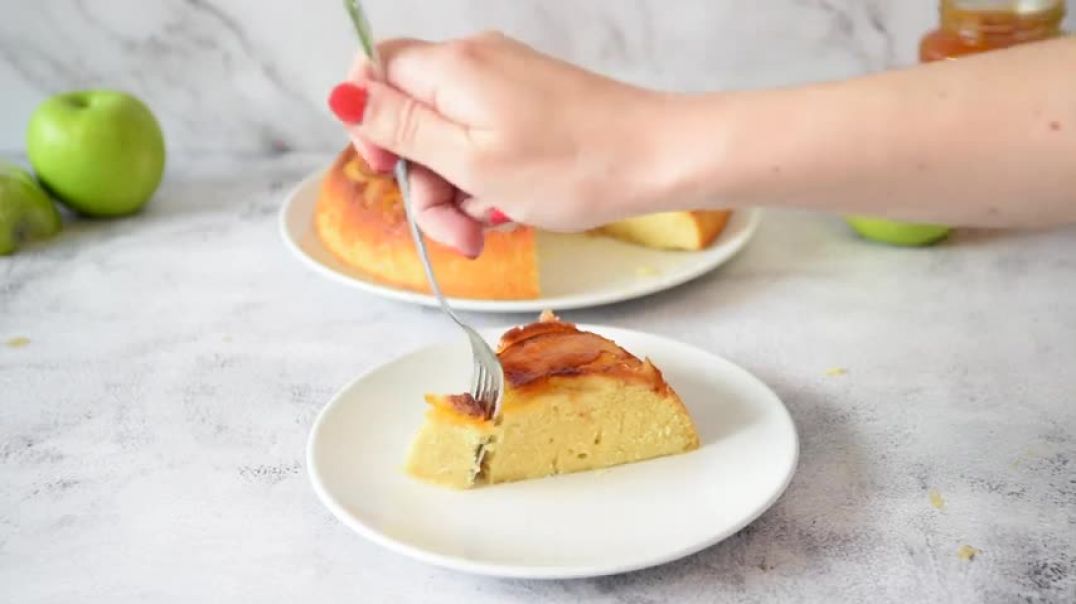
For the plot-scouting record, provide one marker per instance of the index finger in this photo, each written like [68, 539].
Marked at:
[363, 71]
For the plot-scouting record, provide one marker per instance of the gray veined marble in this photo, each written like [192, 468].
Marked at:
[252, 76]
[159, 375]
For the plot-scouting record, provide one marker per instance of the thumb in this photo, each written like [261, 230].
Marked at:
[405, 126]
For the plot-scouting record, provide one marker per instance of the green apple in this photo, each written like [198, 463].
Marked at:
[26, 212]
[100, 152]
[897, 233]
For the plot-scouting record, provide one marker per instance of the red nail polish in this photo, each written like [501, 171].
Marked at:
[348, 102]
[497, 217]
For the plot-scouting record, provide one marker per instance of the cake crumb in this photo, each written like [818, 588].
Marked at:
[18, 342]
[647, 271]
[836, 371]
[547, 316]
[967, 553]
[936, 499]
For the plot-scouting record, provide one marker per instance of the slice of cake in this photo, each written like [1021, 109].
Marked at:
[671, 230]
[573, 401]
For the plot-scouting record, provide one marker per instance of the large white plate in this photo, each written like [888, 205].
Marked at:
[578, 525]
[576, 271]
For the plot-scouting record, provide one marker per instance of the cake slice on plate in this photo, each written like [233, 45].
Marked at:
[574, 401]
[694, 230]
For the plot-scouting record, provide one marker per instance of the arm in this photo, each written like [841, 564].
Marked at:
[988, 140]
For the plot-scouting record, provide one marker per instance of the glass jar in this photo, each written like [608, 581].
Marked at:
[972, 26]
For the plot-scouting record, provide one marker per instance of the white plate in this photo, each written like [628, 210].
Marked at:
[579, 525]
[576, 271]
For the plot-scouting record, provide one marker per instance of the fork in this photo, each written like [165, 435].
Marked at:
[487, 377]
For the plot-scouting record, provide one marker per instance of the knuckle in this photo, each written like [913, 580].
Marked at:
[405, 128]
[464, 51]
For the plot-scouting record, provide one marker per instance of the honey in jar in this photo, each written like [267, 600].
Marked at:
[972, 26]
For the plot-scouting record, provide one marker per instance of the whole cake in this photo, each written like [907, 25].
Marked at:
[360, 218]
[573, 401]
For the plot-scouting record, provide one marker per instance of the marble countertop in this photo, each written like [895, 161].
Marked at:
[153, 426]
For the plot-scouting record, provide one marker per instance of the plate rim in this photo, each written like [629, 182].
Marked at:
[541, 572]
[562, 303]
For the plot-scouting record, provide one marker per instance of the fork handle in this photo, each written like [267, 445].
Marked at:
[402, 172]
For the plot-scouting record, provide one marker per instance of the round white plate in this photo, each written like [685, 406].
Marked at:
[578, 525]
[576, 271]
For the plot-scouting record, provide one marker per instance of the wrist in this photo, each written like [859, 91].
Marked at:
[738, 149]
[688, 154]
[637, 156]
[693, 152]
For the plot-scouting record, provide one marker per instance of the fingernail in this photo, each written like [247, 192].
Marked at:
[497, 217]
[348, 102]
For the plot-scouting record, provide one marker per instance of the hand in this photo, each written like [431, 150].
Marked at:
[491, 123]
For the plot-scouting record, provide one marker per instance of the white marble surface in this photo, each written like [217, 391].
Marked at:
[252, 76]
[152, 432]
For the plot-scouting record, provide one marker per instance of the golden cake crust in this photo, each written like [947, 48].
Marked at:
[360, 219]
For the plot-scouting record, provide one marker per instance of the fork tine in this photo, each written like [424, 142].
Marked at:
[476, 374]
[487, 379]
[482, 376]
[483, 390]
[479, 376]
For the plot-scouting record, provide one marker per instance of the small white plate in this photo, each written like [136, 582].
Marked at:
[578, 525]
[576, 271]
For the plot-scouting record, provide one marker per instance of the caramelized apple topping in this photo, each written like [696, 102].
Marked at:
[551, 348]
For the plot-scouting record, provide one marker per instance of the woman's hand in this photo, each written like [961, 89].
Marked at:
[495, 126]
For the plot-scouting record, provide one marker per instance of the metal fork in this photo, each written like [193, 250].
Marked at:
[487, 377]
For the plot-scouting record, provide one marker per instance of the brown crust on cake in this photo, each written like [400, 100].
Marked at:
[467, 405]
[552, 348]
[459, 407]
[360, 218]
